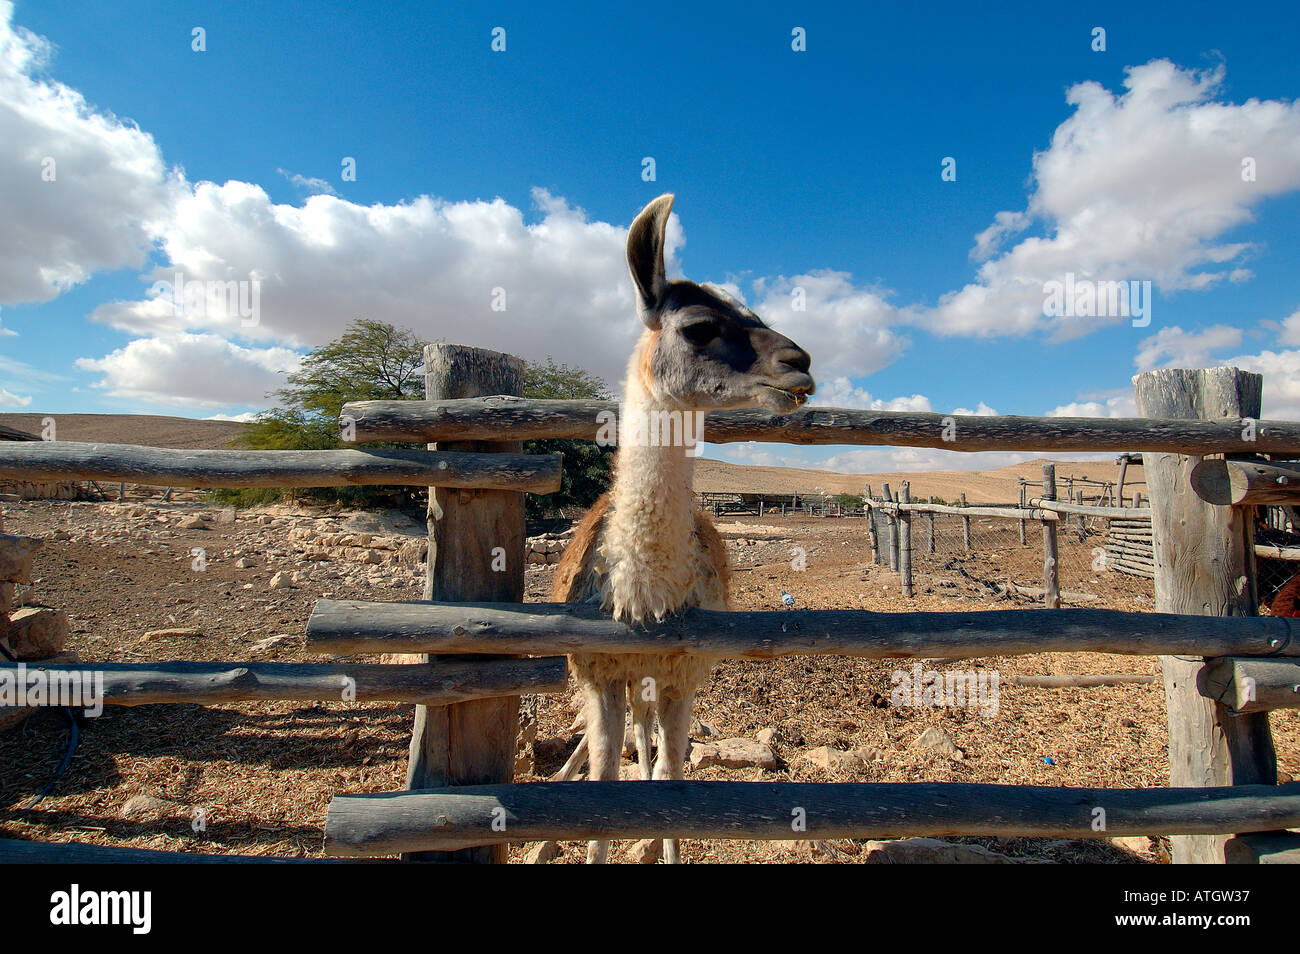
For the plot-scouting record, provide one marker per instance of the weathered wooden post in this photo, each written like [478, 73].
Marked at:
[1069, 496]
[905, 537]
[1051, 576]
[1023, 522]
[476, 554]
[965, 527]
[1204, 565]
[891, 534]
[930, 518]
[873, 519]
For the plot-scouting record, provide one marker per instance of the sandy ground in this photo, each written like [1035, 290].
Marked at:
[261, 775]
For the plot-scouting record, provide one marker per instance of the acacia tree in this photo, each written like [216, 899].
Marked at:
[375, 361]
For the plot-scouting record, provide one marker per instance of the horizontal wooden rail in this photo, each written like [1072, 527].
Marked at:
[452, 818]
[1005, 513]
[352, 626]
[168, 467]
[1251, 685]
[1059, 506]
[504, 418]
[212, 683]
[1246, 482]
[15, 852]
[1274, 552]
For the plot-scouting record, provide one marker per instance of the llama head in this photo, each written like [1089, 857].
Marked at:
[704, 350]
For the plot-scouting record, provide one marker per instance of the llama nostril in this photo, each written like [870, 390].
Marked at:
[795, 358]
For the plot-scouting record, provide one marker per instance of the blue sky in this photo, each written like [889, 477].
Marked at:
[521, 169]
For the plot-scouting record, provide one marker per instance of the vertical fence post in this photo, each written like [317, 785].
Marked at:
[1204, 565]
[1023, 521]
[905, 536]
[930, 518]
[476, 554]
[872, 516]
[891, 531]
[965, 527]
[1051, 575]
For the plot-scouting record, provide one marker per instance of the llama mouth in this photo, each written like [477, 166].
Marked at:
[796, 396]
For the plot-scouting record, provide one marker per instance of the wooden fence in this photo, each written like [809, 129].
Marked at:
[1224, 803]
[1128, 546]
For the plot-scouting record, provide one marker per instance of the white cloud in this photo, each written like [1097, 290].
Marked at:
[1175, 348]
[841, 392]
[429, 265]
[1119, 404]
[1136, 186]
[308, 183]
[109, 179]
[1281, 370]
[198, 370]
[1290, 331]
[9, 399]
[238, 418]
[845, 328]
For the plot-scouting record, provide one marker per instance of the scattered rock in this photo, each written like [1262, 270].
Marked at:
[647, 851]
[938, 741]
[542, 853]
[281, 581]
[149, 808]
[768, 736]
[175, 632]
[836, 760]
[36, 632]
[193, 523]
[732, 753]
[244, 563]
[272, 642]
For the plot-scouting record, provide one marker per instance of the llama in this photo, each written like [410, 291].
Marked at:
[644, 551]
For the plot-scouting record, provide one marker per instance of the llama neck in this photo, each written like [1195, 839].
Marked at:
[649, 544]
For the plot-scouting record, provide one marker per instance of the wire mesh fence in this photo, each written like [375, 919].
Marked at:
[1097, 565]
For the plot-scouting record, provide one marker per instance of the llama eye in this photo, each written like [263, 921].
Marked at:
[700, 332]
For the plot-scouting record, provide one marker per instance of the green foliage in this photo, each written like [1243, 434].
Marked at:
[371, 361]
[848, 500]
[586, 464]
[374, 361]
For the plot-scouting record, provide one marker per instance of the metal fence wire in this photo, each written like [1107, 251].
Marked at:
[998, 558]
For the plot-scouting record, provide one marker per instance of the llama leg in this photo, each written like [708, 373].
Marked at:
[606, 718]
[674, 730]
[643, 715]
[574, 765]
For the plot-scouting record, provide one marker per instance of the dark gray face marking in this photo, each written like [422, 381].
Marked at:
[711, 351]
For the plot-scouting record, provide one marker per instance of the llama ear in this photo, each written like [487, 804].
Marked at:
[645, 258]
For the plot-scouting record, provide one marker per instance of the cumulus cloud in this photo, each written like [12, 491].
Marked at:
[841, 392]
[1116, 404]
[1281, 370]
[1140, 185]
[9, 399]
[79, 188]
[1175, 348]
[436, 267]
[194, 370]
[844, 327]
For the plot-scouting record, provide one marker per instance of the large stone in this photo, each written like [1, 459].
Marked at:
[173, 632]
[835, 760]
[938, 741]
[16, 554]
[732, 753]
[281, 581]
[36, 632]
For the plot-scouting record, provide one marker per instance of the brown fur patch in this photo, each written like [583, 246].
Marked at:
[571, 571]
[644, 369]
[714, 548]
